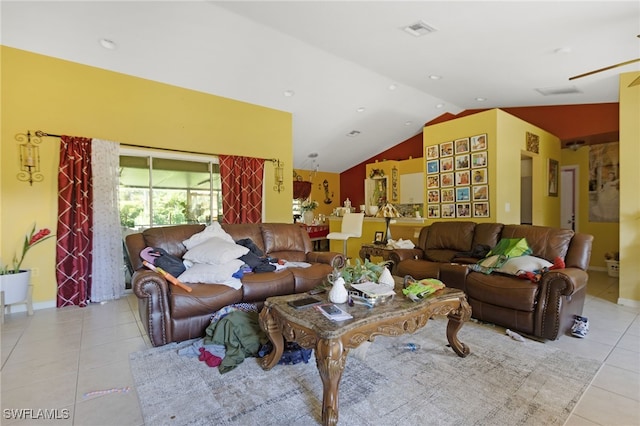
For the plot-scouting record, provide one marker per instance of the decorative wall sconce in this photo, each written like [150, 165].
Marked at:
[278, 166]
[29, 159]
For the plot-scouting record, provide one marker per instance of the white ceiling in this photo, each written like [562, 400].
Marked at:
[338, 56]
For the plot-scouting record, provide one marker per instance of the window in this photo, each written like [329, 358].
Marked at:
[158, 189]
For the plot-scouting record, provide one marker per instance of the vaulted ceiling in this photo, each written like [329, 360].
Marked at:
[354, 79]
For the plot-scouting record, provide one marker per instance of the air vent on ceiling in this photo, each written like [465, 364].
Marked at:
[567, 90]
[353, 133]
[419, 29]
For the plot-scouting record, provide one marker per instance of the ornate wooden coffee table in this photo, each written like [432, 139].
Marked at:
[332, 340]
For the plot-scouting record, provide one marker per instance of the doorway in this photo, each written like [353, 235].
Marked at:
[526, 190]
[569, 197]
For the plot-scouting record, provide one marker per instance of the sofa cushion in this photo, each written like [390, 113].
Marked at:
[521, 264]
[418, 269]
[213, 274]
[213, 230]
[285, 237]
[257, 287]
[215, 251]
[502, 290]
[455, 236]
[487, 233]
[546, 242]
[204, 299]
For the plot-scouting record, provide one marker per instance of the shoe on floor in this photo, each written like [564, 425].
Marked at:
[580, 327]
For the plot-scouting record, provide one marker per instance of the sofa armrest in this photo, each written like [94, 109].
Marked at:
[325, 257]
[398, 255]
[152, 291]
[562, 293]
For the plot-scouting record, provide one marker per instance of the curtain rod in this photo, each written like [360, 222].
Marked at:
[40, 134]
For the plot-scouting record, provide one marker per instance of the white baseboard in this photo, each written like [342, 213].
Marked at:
[22, 307]
[629, 302]
[597, 268]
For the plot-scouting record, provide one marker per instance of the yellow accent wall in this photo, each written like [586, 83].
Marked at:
[326, 202]
[61, 97]
[629, 184]
[506, 137]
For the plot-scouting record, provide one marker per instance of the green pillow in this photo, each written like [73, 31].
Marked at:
[511, 247]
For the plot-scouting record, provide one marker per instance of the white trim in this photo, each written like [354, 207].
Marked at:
[150, 152]
[628, 302]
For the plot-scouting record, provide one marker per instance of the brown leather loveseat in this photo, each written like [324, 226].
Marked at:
[171, 314]
[544, 309]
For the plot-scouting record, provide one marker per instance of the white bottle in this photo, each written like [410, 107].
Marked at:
[347, 204]
[338, 293]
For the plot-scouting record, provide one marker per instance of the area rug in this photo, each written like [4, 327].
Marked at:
[501, 382]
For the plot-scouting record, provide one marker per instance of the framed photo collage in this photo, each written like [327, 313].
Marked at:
[458, 178]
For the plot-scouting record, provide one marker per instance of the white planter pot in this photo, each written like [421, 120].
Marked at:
[15, 286]
[307, 217]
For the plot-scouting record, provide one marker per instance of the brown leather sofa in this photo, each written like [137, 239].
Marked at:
[171, 314]
[544, 309]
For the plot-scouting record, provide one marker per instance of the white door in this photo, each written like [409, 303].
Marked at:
[568, 197]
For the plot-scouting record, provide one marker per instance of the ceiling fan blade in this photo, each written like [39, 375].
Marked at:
[605, 68]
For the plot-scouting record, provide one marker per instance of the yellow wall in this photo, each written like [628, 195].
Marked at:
[629, 184]
[506, 137]
[326, 202]
[61, 97]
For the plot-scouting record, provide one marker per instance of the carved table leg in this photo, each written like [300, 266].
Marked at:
[456, 319]
[270, 326]
[330, 359]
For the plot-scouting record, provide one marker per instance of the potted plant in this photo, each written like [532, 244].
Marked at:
[307, 207]
[363, 271]
[14, 282]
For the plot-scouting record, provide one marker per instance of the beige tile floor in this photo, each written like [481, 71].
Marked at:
[51, 360]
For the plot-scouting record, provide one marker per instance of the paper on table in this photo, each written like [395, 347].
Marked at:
[373, 289]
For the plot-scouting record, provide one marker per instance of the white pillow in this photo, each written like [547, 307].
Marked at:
[215, 251]
[213, 230]
[520, 264]
[212, 274]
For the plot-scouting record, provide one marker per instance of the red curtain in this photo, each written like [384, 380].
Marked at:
[242, 179]
[75, 216]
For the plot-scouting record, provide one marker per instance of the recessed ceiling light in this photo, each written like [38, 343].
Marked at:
[361, 109]
[393, 87]
[353, 133]
[439, 105]
[313, 155]
[108, 44]
[435, 77]
[408, 123]
[479, 99]
[288, 93]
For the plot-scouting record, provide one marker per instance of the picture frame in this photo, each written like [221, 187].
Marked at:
[461, 145]
[446, 149]
[448, 211]
[446, 164]
[462, 162]
[379, 236]
[433, 196]
[447, 180]
[533, 142]
[463, 210]
[463, 178]
[447, 195]
[553, 171]
[478, 159]
[479, 142]
[432, 152]
[479, 176]
[463, 194]
[433, 181]
[480, 192]
[481, 209]
[433, 211]
[433, 166]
